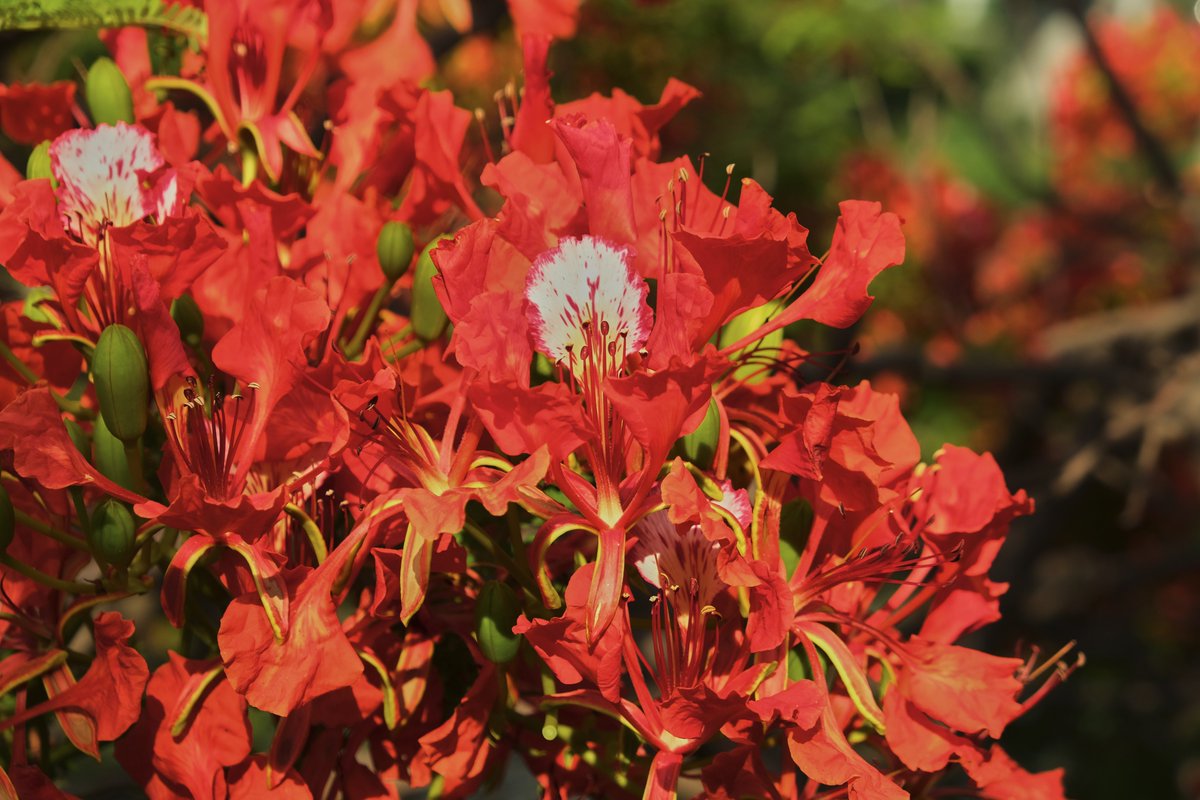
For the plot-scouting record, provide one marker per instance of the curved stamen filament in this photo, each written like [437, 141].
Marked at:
[209, 443]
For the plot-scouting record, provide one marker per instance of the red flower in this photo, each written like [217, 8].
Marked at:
[109, 694]
[193, 726]
[89, 239]
[245, 60]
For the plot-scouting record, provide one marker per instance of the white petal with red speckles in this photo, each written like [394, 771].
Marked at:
[104, 177]
[663, 553]
[585, 280]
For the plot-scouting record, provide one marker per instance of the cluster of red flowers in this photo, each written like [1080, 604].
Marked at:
[545, 489]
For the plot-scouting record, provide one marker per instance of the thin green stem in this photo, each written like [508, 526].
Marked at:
[396, 338]
[517, 543]
[405, 351]
[54, 533]
[354, 348]
[37, 576]
[133, 458]
[85, 522]
[17, 364]
[31, 377]
[502, 558]
[485, 539]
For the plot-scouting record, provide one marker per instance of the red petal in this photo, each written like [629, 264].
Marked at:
[32, 428]
[803, 451]
[523, 420]
[966, 689]
[315, 655]
[550, 18]
[824, 755]
[249, 781]
[656, 405]
[800, 704]
[601, 157]
[531, 132]
[865, 242]
[918, 741]
[110, 692]
[217, 736]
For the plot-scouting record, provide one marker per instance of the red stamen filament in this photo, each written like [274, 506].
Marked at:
[679, 647]
[209, 444]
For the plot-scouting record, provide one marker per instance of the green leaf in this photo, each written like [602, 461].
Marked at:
[35, 14]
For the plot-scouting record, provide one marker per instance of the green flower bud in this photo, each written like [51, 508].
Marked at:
[107, 93]
[189, 318]
[38, 165]
[428, 318]
[743, 325]
[700, 446]
[496, 611]
[122, 380]
[395, 249]
[8, 520]
[108, 454]
[113, 533]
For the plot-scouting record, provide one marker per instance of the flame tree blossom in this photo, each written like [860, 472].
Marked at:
[421, 480]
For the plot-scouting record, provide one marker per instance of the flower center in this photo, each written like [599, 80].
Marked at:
[586, 306]
[248, 69]
[111, 176]
[678, 632]
[408, 447]
[208, 444]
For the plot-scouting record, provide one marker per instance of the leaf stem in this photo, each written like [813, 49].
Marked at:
[354, 348]
[37, 576]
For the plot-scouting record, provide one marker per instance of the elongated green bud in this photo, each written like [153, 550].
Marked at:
[428, 318]
[8, 520]
[122, 380]
[700, 446]
[395, 249]
[496, 612]
[107, 93]
[108, 454]
[743, 325]
[38, 165]
[113, 533]
[189, 318]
